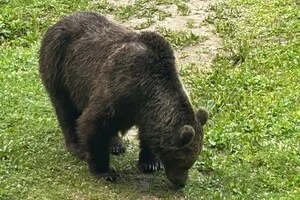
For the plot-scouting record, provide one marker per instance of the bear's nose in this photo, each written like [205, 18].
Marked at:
[178, 176]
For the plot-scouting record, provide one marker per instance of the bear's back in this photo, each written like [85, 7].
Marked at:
[102, 53]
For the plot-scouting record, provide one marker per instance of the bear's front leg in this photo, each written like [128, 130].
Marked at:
[148, 162]
[116, 146]
[95, 134]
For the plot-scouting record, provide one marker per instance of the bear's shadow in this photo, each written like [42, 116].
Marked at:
[132, 179]
[154, 184]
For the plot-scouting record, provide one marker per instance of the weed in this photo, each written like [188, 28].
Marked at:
[144, 25]
[180, 39]
[182, 9]
[190, 23]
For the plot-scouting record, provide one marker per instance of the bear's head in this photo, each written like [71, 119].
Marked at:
[183, 149]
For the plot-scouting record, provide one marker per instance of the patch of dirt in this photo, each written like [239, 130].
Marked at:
[202, 53]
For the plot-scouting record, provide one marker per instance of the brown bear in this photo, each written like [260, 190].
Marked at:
[103, 79]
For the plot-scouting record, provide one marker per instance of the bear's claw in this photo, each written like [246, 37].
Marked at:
[76, 150]
[116, 146]
[117, 149]
[111, 175]
[151, 166]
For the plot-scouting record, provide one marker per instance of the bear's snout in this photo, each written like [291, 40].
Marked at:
[177, 176]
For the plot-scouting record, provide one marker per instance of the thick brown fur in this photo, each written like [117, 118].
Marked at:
[103, 79]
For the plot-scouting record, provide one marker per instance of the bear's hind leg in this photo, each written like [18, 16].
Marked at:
[67, 115]
[148, 162]
[95, 131]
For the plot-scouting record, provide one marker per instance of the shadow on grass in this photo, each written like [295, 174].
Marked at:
[133, 183]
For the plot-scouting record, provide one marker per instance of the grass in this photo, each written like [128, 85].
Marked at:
[252, 143]
[180, 39]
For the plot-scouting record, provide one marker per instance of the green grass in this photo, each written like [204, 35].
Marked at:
[252, 143]
[182, 9]
[180, 39]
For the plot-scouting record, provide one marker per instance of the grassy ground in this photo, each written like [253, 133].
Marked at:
[252, 146]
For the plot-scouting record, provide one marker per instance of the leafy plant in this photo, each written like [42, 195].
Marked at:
[180, 39]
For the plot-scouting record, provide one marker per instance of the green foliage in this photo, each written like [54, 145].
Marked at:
[145, 24]
[190, 23]
[252, 142]
[180, 39]
[140, 9]
[182, 9]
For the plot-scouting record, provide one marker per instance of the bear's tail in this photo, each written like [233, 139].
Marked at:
[159, 45]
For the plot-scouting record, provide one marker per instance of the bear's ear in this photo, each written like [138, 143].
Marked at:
[185, 136]
[202, 116]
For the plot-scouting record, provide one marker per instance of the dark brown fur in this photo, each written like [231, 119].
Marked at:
[103, 79]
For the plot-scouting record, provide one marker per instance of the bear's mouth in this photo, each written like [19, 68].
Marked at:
[177, 177]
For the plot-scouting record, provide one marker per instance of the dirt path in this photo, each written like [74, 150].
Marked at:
[198, 10]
